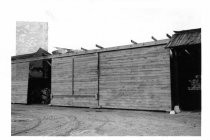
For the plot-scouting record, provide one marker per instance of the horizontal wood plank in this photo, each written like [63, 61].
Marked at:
[135, 79]
[20, 73]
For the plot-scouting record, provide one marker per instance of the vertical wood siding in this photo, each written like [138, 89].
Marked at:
[20, 73]
[135, 79]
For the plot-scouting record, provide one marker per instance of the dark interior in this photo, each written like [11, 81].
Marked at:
[189, 77]
[39, 86]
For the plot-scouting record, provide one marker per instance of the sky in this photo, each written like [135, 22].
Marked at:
[83, 23]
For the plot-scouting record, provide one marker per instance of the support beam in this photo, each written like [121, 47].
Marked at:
[174, 78]
[70, 51]
[72, 76]
[168, 36]
[98, 74]
[48, 63]
[98, 46]
[62, 50]
[154, 38]
[84, 49]
[187, 51]
[134, 42]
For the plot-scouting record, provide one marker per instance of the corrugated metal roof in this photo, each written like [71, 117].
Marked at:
[185, 38]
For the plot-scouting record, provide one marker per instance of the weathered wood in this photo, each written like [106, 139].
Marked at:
[61, 79]
[124, 47]
[137, 78]
[174, 78]
[98, 46]
[20, 73]
[74, 96]
[98, 74]
[74, 80]
[86, 74]
[75, 101]
[72, 76]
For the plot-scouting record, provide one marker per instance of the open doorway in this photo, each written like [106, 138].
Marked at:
[187, 77]
[39, 86]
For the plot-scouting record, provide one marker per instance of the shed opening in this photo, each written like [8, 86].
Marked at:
[39, 82]
[186, 77]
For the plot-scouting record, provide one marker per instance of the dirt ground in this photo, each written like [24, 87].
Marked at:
[44, 120]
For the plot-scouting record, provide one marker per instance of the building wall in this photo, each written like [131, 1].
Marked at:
[83, 71]
[20, 73]
[30, 36]
[136, 79]
[132, 79]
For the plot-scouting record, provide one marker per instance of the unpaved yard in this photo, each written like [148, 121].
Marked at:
[43, 120]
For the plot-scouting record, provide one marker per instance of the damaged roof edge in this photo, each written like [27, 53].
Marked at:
[185, 38]
[38, 53]
[123, 47]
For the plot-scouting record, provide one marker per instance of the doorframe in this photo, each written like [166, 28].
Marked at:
[98, 73]
[174, 78]
[48, 62]
[176, 91]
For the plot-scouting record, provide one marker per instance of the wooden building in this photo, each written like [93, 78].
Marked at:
[185, 48]
[30, 77]
[135, 76]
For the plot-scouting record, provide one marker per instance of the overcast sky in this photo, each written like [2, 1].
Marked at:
[83, 23]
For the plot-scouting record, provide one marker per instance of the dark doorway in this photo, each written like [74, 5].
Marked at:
[187, 77]
[39, 86]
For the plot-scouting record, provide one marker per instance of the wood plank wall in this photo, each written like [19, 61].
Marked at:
[61, 79]
[135, 79]
[74, 81]
[85, 75]
[20, 73]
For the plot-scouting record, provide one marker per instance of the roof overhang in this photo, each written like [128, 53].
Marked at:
[185, 38]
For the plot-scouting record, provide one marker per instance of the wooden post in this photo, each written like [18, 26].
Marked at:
[174, 78]
[176, 67]
[168, 36]
[48, 63]
[154, 38]
[98, 72]
[134, 42]
[84, 49]
[98, 46]
[72, 75]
